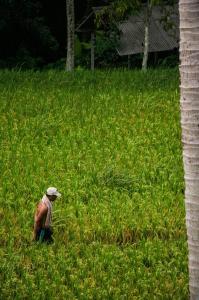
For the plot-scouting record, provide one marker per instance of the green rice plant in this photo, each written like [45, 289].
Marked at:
[111, 143]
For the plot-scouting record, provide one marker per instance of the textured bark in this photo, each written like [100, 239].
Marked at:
[129, 62]
[92, 51]
[70, 35]
[189, 102]
[146, 37]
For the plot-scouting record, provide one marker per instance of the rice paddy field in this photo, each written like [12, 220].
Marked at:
[110, 141]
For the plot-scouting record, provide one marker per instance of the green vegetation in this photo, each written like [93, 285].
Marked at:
[111, 143]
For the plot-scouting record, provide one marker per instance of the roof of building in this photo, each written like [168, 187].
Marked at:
[160, 37]
[87, 23]
[163, 30]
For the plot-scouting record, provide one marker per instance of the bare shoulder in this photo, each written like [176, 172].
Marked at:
[42, 208]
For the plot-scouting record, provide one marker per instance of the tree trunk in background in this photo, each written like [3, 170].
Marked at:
[129, 62]
[70, 34]
[146, 37]
[92, 51]
[189, 101]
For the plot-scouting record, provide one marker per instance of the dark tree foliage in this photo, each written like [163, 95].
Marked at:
[24, 34]
[33, 33]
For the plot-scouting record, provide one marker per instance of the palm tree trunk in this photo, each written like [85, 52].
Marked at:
[70, 34]
[146, 36]
[189, 101]
[92, 51]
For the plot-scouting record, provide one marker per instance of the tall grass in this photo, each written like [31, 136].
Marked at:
[110, 142]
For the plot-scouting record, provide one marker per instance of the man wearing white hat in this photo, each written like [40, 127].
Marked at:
[43, 216]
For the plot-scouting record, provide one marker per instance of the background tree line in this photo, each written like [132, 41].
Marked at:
[34, 33]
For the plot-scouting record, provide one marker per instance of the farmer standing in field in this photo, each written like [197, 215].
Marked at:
[43, 216]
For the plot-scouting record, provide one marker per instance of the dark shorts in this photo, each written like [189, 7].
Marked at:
[44, 235]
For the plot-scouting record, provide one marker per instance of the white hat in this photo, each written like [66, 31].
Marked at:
[52, 191]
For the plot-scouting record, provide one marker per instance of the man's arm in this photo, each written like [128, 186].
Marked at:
[40, 215]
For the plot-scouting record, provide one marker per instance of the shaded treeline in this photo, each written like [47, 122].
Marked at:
[33, 33]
